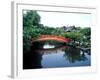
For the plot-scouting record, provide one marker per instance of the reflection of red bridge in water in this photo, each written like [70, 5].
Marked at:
[52, 37]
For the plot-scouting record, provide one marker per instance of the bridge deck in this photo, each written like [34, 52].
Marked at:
[52, 37]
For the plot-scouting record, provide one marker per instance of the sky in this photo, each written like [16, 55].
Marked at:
[57, 19]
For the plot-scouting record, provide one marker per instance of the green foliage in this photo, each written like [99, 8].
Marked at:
[31, 21]
[87, 37]
[86, 31]
[31, 18]
[76, 36]
[80, 36]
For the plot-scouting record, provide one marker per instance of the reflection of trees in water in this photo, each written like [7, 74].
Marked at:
[32, 60]
[74, 54]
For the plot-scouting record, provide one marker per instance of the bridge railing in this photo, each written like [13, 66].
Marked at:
[46, 37]
[53, 36]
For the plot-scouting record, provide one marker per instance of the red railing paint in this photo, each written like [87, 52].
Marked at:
[52, 37]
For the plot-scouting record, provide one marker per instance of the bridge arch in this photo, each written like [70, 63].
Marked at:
[52, 37]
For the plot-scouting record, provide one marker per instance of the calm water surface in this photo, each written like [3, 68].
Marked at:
[50, 56]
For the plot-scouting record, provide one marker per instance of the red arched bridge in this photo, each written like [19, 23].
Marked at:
[51, 37]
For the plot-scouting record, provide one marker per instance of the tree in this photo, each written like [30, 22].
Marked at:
[31, 18]
[75, 36]
[86, 31]
[87, 36]
[31, 21]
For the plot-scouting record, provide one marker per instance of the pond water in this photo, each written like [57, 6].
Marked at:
[53, 57]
